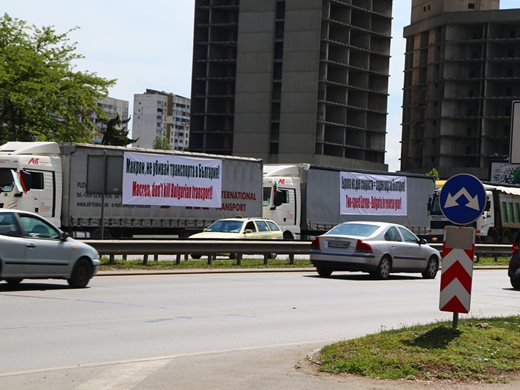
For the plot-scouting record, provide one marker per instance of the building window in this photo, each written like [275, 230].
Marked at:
[471, 6]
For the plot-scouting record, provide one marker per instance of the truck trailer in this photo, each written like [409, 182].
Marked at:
[94, 191]
[307, 200]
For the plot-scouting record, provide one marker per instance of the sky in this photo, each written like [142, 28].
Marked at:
[149, 45]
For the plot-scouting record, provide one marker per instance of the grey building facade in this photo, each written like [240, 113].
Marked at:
[292, 81]
[462, 72]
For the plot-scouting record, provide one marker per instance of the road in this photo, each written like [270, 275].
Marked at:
[141, 326]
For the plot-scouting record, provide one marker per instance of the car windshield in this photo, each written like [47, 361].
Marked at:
[6, 180]
[354, 229]
[225, 226]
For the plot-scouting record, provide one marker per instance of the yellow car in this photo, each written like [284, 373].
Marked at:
[241, 229]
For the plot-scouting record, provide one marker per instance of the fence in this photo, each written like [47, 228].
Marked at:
[237, 249]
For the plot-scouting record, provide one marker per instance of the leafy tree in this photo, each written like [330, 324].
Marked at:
[434, 173]
[116, 133]
[42, 97]
[161, 143]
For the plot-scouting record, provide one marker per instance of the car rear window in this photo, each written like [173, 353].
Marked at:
[262, 226]
[354, 229]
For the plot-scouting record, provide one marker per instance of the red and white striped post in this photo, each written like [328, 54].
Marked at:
[457, 270]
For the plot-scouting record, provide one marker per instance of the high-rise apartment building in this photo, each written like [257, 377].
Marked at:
[292, 80]
[462, 71]
[161, 114]
[112, 107]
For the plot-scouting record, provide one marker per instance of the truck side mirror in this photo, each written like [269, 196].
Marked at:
[278, 198]
[26, 179]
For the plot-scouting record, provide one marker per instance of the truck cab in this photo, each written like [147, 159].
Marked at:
[281, 199]
[31, 178]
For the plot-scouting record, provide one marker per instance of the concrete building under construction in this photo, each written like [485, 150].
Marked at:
[292, 80]
[462, 72]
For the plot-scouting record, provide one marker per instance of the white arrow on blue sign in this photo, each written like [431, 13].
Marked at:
[463, 199]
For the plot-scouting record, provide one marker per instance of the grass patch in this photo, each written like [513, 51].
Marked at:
[502, 260]
[200, 264]
[479, 350]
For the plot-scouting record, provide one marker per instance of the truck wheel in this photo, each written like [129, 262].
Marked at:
[13, 281]
[507, 237]
[431, 268]
[288, 236]
[195, 257]
[324, 272]
[492, 237]
[81, 274]
[515, 283]
[383, 269]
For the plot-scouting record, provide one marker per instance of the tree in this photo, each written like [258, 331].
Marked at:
[42, 96]
[434, 173]
[161, 143]
[116, 133]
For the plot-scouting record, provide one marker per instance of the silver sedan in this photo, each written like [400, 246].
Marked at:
[31, 247]
[379, 248]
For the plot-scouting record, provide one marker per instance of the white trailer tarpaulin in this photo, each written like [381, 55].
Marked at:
[170, 180]
[368, 194]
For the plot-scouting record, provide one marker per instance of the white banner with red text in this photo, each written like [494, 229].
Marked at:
[170, 180]
[368, 194]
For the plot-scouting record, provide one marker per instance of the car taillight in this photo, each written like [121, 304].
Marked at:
[315, 244]
[362, 246]
[514, 249]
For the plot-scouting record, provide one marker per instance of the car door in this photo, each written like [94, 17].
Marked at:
[46, 254]
[415, 259]
[250, 231]
[263, 230]
[13, 247]
[397, 247]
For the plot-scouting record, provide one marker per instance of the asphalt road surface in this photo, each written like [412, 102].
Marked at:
[209, 331]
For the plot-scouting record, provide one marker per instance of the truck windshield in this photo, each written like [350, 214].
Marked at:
[266, 201]
[6, 180]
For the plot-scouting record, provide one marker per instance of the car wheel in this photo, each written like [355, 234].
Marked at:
[13, 281]
[324, 272]
[81, 274]
[383, 269]
[515, 282]
[195, 257]
[431, 268]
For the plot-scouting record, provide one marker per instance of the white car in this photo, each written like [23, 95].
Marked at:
[379, 248]
[31, 247]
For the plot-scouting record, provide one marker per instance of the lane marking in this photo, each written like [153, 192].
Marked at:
[168, 358]
[124, 376]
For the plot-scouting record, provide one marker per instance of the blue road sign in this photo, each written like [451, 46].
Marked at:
[463, 199]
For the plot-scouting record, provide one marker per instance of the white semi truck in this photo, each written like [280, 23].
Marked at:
[110, 191]
[307, 200]
[497, 224]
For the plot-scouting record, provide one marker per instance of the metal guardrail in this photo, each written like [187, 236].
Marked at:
[212, 248]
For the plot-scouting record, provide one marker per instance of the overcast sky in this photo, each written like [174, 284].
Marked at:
[149, 45]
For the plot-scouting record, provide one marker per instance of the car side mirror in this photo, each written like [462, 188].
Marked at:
[422, 241]
[64, 236]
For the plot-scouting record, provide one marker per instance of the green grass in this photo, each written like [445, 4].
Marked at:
[479, 350]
